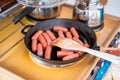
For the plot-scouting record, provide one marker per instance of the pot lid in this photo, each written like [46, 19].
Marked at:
[41, 3]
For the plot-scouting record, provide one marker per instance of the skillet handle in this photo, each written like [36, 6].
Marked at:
[25, 29]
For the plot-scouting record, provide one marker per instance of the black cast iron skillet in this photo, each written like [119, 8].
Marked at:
[86, 35]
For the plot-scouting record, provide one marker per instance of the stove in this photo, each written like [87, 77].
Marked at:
[15, 57]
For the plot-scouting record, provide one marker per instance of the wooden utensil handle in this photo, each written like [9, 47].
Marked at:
[107, 56]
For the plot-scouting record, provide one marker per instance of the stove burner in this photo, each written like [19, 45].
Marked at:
[34, 20]
[29, 18]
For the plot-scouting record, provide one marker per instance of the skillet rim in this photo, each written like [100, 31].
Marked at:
[60, 19]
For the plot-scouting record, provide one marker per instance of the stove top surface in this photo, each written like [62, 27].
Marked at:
[15, 57]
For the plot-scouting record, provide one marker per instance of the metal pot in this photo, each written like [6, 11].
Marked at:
[86, 33]
[45, 13]
[90, 12]
[40, 9]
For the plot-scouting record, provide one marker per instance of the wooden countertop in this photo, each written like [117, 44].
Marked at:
[19, 61]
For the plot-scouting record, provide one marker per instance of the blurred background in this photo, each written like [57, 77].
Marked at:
[112, 7]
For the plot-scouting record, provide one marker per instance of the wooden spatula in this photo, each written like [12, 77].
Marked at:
[73, 45]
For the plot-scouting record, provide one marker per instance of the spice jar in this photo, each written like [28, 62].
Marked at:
[90, 12]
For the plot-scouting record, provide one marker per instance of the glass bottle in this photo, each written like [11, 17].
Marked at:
[90, 12]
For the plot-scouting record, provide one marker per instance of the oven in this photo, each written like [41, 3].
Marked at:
[15, 57]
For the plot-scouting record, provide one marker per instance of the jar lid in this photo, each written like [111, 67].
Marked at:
[41, 3]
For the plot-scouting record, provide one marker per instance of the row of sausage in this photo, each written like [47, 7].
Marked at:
[42, 39]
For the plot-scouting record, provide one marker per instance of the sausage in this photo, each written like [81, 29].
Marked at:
[47, 38]
[51, 35]
[74, 32]
[61, 34]
[36, 35]
[62, 49]
[64, 53]
[69, 57]
[34, 45]
[68, 35]
[60, 28]
[42, 41]
[81, 53]
[78, 40]
[86, 45]
[48, 52]
[39, 49]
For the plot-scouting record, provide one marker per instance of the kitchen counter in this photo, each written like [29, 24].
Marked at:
[16, 58]
[7, 75]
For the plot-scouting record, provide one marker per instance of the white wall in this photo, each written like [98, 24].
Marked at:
[112, 7]
[71, 2]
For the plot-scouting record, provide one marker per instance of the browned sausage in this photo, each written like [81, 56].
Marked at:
[34, 45]
[60, 28]
[68, 35]
[51, 35]
[39, 49]
[64, 53]
[114, 52]
[69, 57]
[61, 34]
[47, 38]
[42, 41]
[48, 52]
[74, 32]
[36, 35]
[78, 40]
